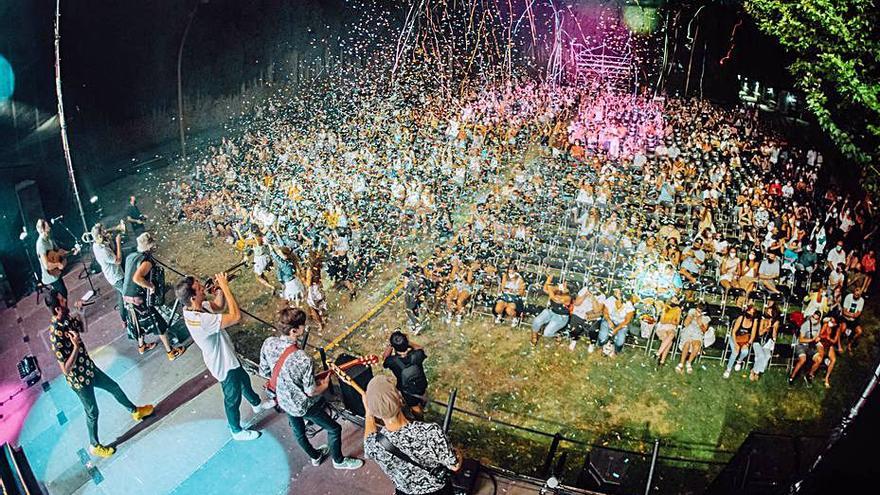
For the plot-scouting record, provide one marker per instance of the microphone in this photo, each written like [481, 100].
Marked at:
[59, 217]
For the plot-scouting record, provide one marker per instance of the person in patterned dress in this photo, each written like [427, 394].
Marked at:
[424, 444]
[82, 374]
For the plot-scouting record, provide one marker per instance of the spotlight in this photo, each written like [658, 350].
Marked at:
[23, 234]
[93, 199]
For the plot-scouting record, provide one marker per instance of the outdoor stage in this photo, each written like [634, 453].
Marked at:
[184, 448]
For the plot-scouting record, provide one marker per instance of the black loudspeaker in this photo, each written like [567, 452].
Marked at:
[7, 297]
[608, 469]
[361, 375]
[30, 205]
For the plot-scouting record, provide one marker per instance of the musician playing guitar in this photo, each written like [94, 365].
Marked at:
[144, 319]
[52, 259]
[291, 372]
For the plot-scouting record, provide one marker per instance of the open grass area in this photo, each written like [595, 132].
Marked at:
[625, 402]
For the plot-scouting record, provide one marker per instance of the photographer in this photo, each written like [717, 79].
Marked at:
[415, 455]
[405, 359]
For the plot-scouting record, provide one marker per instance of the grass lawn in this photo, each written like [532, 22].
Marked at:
[625, 402]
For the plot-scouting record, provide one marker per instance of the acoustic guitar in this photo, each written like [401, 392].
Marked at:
[56, 256]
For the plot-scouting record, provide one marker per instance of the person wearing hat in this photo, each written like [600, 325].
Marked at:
[297, 392]
[412, 453]
[142, 318]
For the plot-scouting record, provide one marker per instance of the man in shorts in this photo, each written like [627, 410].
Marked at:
[807, 348]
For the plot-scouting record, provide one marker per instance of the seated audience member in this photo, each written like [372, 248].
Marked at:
[693, 333]
[765, 340]
[406, 360]
[807, 348]
[851, 314]
[409, 452]
[510, 302]
[829, 342]
[586, 312]
[693, 260]
[618, 314]
[768, 273]
[742, 334]
[555, 316]
[667, 328]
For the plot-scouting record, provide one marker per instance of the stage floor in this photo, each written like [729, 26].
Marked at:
[184, 448]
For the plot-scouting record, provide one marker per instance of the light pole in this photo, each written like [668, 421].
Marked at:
[192, 15]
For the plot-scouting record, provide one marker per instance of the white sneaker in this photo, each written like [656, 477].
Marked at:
[263, 406]
[514, 322]
[591, 348]
[726, 374]
[325, 451]
[737, 367]
[689, 369]
[348, 463]
[572, 345]
[246, 435]
[458, 320]
[679, 368]
[497, 319]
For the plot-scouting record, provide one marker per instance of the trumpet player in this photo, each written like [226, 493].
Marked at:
[143, 318]
[108, 254]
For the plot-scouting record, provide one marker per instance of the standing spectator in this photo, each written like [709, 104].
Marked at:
[411, 453]
[829, 340]
[136, 220]
[297, 392]
[406, 360]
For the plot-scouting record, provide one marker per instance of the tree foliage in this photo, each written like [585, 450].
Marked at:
[836, 45]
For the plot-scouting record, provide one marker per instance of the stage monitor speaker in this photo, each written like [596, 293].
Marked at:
[361, 375]
[31, 206]
[608, 469]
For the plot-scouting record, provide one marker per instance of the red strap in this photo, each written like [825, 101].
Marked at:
[276, 370]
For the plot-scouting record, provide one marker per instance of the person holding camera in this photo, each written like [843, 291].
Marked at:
[416, 456]
[406, 360]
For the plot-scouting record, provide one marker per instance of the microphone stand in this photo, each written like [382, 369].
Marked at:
[85, 269]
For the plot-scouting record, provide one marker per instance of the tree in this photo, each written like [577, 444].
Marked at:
[837, 64]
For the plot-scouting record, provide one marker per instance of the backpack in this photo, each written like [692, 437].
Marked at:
[412, 378]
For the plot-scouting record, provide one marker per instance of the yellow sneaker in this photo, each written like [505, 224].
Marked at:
[101, 451]
[142, 412]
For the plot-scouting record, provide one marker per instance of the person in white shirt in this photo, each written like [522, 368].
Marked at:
[836, 256]
[109, 258]
[586, 311]
[618, 313]
[851, 312]
[207, 324]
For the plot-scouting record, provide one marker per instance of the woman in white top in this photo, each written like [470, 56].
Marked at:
[510, 302]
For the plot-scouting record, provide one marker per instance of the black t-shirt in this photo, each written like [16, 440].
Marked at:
[132, 262]
[134, 212]
[413, 381]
